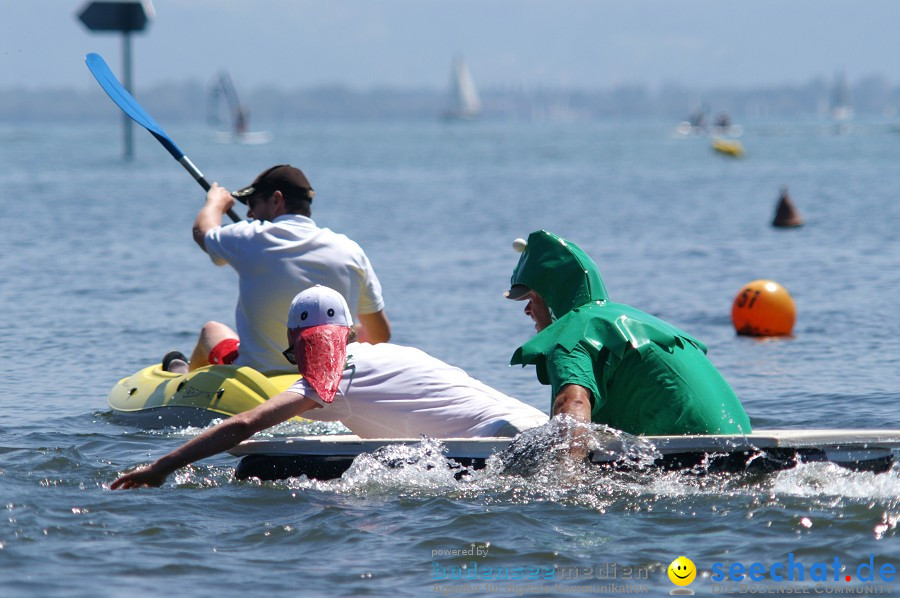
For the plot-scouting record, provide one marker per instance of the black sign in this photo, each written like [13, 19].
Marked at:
[117, 16]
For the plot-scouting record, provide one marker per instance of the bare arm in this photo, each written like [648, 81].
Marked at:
[218, 202]
[375, 328]
[219, 438]
[575, 401]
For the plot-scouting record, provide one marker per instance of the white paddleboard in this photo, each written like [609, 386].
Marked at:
[323, 456]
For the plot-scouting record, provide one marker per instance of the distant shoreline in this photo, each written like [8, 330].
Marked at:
[188, 101]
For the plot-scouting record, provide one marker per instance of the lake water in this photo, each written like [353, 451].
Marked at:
[100, 277]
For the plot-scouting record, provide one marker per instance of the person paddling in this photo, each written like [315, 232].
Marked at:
[377, 391]
[610, 363]
[279, 253]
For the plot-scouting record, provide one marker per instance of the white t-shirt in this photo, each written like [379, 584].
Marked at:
[391, 391]
[275, 261]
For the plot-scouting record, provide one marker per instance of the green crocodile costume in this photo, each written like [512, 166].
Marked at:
[645, 376]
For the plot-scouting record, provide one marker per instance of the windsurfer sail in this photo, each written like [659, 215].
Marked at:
[223, 88]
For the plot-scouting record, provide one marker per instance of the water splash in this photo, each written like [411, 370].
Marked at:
[288, 428]
[563, 439]
[203, 476]
[305, 428]
[420, 469]
[830, 480]
[538, 466]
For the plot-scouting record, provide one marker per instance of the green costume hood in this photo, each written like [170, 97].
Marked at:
[644, 375]
[570, 284]
[561, 273]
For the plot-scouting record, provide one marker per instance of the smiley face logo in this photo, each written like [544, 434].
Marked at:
[682, 571]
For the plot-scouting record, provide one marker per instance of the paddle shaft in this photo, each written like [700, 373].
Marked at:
[198, 176]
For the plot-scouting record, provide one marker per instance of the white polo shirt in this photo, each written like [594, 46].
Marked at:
[275, 261]
[392, 391]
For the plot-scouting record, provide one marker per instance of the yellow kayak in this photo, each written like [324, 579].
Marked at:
[729, 147]
[154, 398]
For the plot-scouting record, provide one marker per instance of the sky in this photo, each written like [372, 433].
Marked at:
[410, 44]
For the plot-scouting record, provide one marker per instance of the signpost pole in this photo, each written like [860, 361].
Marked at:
[126, 72]
[124, 17]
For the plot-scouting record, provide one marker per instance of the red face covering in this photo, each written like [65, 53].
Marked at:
[321, 353]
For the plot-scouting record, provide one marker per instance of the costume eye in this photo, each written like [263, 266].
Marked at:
[304, 315]
[330, 312]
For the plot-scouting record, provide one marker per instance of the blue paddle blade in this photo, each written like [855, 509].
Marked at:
[127, 103]
[129, 106]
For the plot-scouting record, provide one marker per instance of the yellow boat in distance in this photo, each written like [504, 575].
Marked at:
[153, 398]
[728, 147]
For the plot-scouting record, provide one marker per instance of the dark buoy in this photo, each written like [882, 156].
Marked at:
[786, 215]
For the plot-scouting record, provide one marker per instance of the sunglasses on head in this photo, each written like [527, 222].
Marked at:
[253, 201]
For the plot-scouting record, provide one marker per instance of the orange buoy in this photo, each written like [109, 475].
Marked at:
[763, 308]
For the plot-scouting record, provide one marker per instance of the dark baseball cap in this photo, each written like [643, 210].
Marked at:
[285, 178]
[517, 292]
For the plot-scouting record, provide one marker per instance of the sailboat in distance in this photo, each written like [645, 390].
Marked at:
[464, 101]
[225, 109]
[841, 107]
